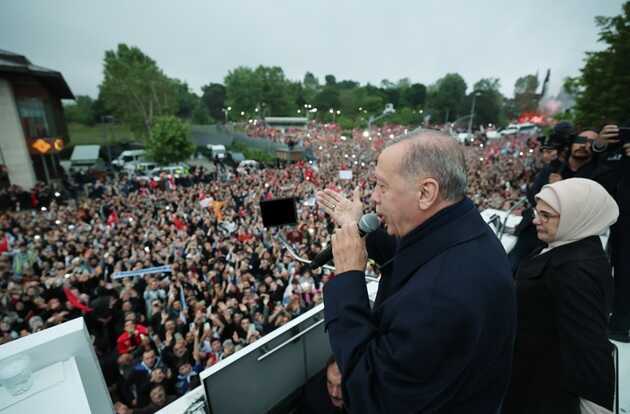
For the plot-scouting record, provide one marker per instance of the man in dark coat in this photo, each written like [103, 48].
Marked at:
[441, 334]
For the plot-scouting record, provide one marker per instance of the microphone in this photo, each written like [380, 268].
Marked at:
[367, 224]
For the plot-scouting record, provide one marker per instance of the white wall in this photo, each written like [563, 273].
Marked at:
[12, 143]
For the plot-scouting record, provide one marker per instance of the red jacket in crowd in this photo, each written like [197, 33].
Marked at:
[126, 343]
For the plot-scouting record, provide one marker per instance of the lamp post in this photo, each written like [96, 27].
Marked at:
[472, 112]
[226, 111]
[108, 119]
[389, 109]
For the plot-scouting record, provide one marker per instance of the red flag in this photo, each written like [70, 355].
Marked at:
[74, 301]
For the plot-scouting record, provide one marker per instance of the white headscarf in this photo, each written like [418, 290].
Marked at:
[585, 207]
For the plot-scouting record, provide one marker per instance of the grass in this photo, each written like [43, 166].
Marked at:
[86, 135]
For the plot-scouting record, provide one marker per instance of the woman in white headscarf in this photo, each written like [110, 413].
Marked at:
[562, 356]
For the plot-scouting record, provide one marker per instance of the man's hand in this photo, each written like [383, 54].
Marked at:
[349, 250]
[626, 149]
[608, 135]
[339, 207]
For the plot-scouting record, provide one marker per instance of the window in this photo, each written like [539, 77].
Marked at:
[37, 117]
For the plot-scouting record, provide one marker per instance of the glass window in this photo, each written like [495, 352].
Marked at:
[33, 116]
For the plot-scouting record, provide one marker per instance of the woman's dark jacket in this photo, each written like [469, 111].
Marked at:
[562, 352]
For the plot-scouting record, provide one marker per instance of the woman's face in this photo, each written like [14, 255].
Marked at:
[546, 221]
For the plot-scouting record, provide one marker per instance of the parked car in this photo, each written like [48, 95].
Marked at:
[247, 166]
[139, 167]
[128, 156]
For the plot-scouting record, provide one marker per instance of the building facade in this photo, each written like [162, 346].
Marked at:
[32, 125]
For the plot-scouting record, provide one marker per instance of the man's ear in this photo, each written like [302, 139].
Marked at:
[428, 191]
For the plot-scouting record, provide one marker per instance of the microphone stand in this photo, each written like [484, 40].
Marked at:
[520, 203]
[306, 261]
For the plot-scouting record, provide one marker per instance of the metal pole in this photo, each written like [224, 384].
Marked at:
[43, 157]
[472, 113]
[109, 142]
[54, 164]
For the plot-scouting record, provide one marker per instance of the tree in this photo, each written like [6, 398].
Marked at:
[330, 80]
[416, 95]
[200, 115]
[525, 96]
[135, 90]
[326, 99]
[603, 88]
[169, 141]
[243, 89]
[311, 86]
[186, 100]
[213, 98]
[247, 89]
[447, 97]
[81, 112]
[275, 90]
[489, 102]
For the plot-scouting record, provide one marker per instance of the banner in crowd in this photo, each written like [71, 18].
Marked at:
[142, 272]
[345, 174]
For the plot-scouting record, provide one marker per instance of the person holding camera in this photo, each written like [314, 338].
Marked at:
[613, 146]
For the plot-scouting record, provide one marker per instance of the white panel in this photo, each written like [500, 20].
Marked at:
[12, 143]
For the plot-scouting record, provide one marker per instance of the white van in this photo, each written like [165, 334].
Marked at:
[216, 151]
[247, 166]
[128, 156]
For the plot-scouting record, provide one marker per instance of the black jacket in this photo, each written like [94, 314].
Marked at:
[562, 351]
[441, 334]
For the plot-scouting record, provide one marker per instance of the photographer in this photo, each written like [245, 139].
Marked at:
[605, 157]
[613, 146]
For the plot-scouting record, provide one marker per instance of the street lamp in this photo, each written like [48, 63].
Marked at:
[389, 109]
[472, 112]
[226, 111]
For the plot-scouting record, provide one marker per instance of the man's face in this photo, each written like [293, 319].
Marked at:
[158, 396]
[179, 349]
[549, 154]
[581, 148]
[333, 384]
[148, 358]
[393, 194]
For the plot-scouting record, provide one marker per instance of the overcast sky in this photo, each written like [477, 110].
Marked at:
[363, 40]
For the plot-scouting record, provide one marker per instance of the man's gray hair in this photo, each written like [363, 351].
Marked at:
[436, 155]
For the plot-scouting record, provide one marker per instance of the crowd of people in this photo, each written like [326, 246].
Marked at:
[230, 280]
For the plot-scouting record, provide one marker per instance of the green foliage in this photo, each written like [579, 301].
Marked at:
[326, 99]
[265, 86]
[416, 95]
[252, 153]
[603, 88]
[81, 111]
[98, 134]
[213, 98]
[446, 98]
[525, 95]
[489, 103]
[135, 90]
[169, 141]
[187, 101]
[201, 116]
[405, 116]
